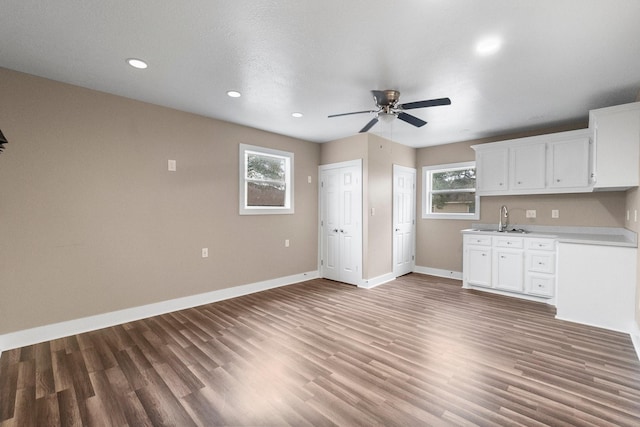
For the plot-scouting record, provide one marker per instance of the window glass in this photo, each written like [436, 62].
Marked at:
[265, 180]
[450, 191]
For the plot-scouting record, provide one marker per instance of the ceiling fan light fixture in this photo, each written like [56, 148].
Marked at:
[386, 117]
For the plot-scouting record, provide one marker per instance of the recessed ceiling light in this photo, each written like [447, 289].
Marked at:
[488, 46]
[234, 94]
[137, 63]
[297, 115]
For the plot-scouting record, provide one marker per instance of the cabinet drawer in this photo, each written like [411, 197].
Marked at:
[541, 244]
[508, 242]
[542, 262]
[540, 284]
[479, 240]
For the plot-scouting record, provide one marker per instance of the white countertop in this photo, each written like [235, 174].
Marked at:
[609, 236]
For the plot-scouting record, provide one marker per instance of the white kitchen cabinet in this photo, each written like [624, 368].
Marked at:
[508, 271]
[527, 166]
[477, 261]
[568, 163]
[544, 164]
[492, 170]
[616, 139]
[540, 267]
[510, 264]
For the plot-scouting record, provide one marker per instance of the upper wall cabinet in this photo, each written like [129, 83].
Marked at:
[616, 137]
[568, 162]
[494, 174]
[553, 163]
[527, 164]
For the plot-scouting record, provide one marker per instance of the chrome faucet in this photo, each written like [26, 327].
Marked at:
[504, 212]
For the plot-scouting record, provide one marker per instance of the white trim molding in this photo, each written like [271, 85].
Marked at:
[99, 321]
[376, 281]
[438, 272]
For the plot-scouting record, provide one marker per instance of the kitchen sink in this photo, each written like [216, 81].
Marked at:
[512, 231]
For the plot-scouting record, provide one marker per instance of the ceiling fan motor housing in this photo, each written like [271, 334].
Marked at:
[386, 98]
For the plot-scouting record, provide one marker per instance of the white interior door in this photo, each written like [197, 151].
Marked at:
[404, 220]
[341, 222]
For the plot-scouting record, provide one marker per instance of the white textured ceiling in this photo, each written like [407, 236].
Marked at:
[559, 59]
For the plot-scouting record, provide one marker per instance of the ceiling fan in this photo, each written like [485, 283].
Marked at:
[388, 107]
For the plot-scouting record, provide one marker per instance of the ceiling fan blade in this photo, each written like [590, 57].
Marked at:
[348, 114]
[412, 120]
[369, 125]
[427, 103]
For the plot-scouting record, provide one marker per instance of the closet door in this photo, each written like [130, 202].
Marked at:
[341, 222]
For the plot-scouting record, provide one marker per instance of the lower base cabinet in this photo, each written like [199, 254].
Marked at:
[522, 266]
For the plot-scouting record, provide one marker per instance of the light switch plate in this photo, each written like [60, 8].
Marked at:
[555, 213]
[531, 213]
[205, 252]
[172, 165]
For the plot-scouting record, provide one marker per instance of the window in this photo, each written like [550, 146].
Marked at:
[266, 181]
[450, 191]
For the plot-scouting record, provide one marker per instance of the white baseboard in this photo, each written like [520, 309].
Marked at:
[99, 321]
[377, 281]
[439, 272]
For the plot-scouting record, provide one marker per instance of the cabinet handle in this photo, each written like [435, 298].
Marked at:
[335, 230]
[557, 180]
[519, 182]
[502, 256]
[500, 184]
[484, 254]
[508, 243]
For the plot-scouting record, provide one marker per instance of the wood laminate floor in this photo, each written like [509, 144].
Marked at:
[417, 351]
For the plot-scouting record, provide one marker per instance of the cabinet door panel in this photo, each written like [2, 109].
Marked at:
[509, 271]
[478, 266]
[569, 163]
[492, 170]
[527, 167]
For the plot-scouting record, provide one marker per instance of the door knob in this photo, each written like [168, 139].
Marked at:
[335, 230]
[397, 229]
[342, 231]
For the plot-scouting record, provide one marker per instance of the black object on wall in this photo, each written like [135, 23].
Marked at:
[3, 141]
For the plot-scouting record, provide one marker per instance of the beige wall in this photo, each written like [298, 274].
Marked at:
[383, 154]
[91, 221]
[378, 155]
[439, 242]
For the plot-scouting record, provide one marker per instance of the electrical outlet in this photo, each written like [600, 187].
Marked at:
[555, 213]
[628, 218]
[205, 252]
[531, 213]
[286, 243]
[309, 179]
[172, 165]
[373, 211]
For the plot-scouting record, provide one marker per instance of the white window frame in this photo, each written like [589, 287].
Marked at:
[427, 173]
[245, 150]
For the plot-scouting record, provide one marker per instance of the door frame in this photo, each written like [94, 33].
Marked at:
[398, 168]
[322, 168]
